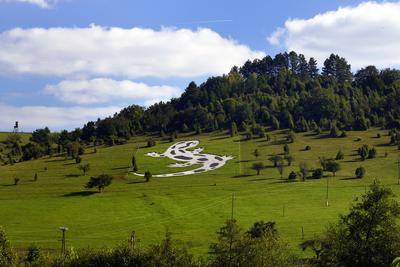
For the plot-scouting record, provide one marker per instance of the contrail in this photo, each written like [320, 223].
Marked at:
[207, 21]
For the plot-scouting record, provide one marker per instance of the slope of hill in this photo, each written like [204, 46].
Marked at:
[192, 207]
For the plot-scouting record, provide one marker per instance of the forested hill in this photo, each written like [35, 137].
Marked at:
[287, 91]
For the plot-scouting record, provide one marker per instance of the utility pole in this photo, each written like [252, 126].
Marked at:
[327, 191]
[240, 161]
[132, 240]
[63, 230]
[231, 230]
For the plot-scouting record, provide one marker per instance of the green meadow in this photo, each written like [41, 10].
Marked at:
[191, 207]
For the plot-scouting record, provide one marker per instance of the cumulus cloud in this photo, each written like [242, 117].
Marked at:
[40, 3]
[365, 34]
[103, 90]
[133, 53]
[56, 118]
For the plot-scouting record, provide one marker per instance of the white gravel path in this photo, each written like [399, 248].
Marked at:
[181, 153]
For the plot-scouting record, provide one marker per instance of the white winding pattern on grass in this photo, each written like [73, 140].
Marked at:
[179, 152]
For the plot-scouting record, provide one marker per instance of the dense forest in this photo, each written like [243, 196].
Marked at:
[284, 92]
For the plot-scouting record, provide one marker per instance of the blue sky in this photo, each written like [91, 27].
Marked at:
[63, 63]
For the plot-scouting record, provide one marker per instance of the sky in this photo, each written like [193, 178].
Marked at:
[66, 62]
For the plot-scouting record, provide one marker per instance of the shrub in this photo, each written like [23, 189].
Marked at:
[151, 142]
[372, 153]
[16, 181]
[258, 167]
[35, 178]
[147, 176]
[78, 160]
[99, 182]
[360, 172]
[34, 256]
[292, 176]
[318, 173]
[340, 155]
[308, 148]
[7, 255]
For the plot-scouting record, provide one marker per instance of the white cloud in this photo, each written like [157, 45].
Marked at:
[365, 34]
[274, 38]
[102, 90]
[40, 3]
[133, 53]
[56, 118]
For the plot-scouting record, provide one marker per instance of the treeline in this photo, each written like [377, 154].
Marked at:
[287, 91]
[367, 236]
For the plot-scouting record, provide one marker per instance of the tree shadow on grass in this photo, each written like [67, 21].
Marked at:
[80, 194]
[242, 175]
[120, 168]
[72, 175]
[350, 178]
[260, 179]
[137, 182]
[8, 185]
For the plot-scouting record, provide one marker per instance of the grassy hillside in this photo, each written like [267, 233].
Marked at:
[191, 207]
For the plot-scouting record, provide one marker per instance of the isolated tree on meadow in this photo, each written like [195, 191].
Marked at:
[84, 168]
[340, 155]
[134, 164]
[332, 166]
[35, 177]
[256, 153]
[147, 176]
[360, 172]
[99, 182]
[289, 158]
[258, 167]
[275, 159]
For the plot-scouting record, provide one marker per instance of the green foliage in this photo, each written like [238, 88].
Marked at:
[151, 142]
[233, 130]
[78, 160]
[334, 131]
[317, 173]
[260, 246]
[85, 168]
[368, 235]
[35, 177]
[8, 257]
[289, 158]
[258, 167]
[256, 153]
[34, 256]
[360, 172]
[292, 176]
[99, 182]
[275, 159]
[147, 176]
[332, 166]
[16, 180]
[340, 155]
